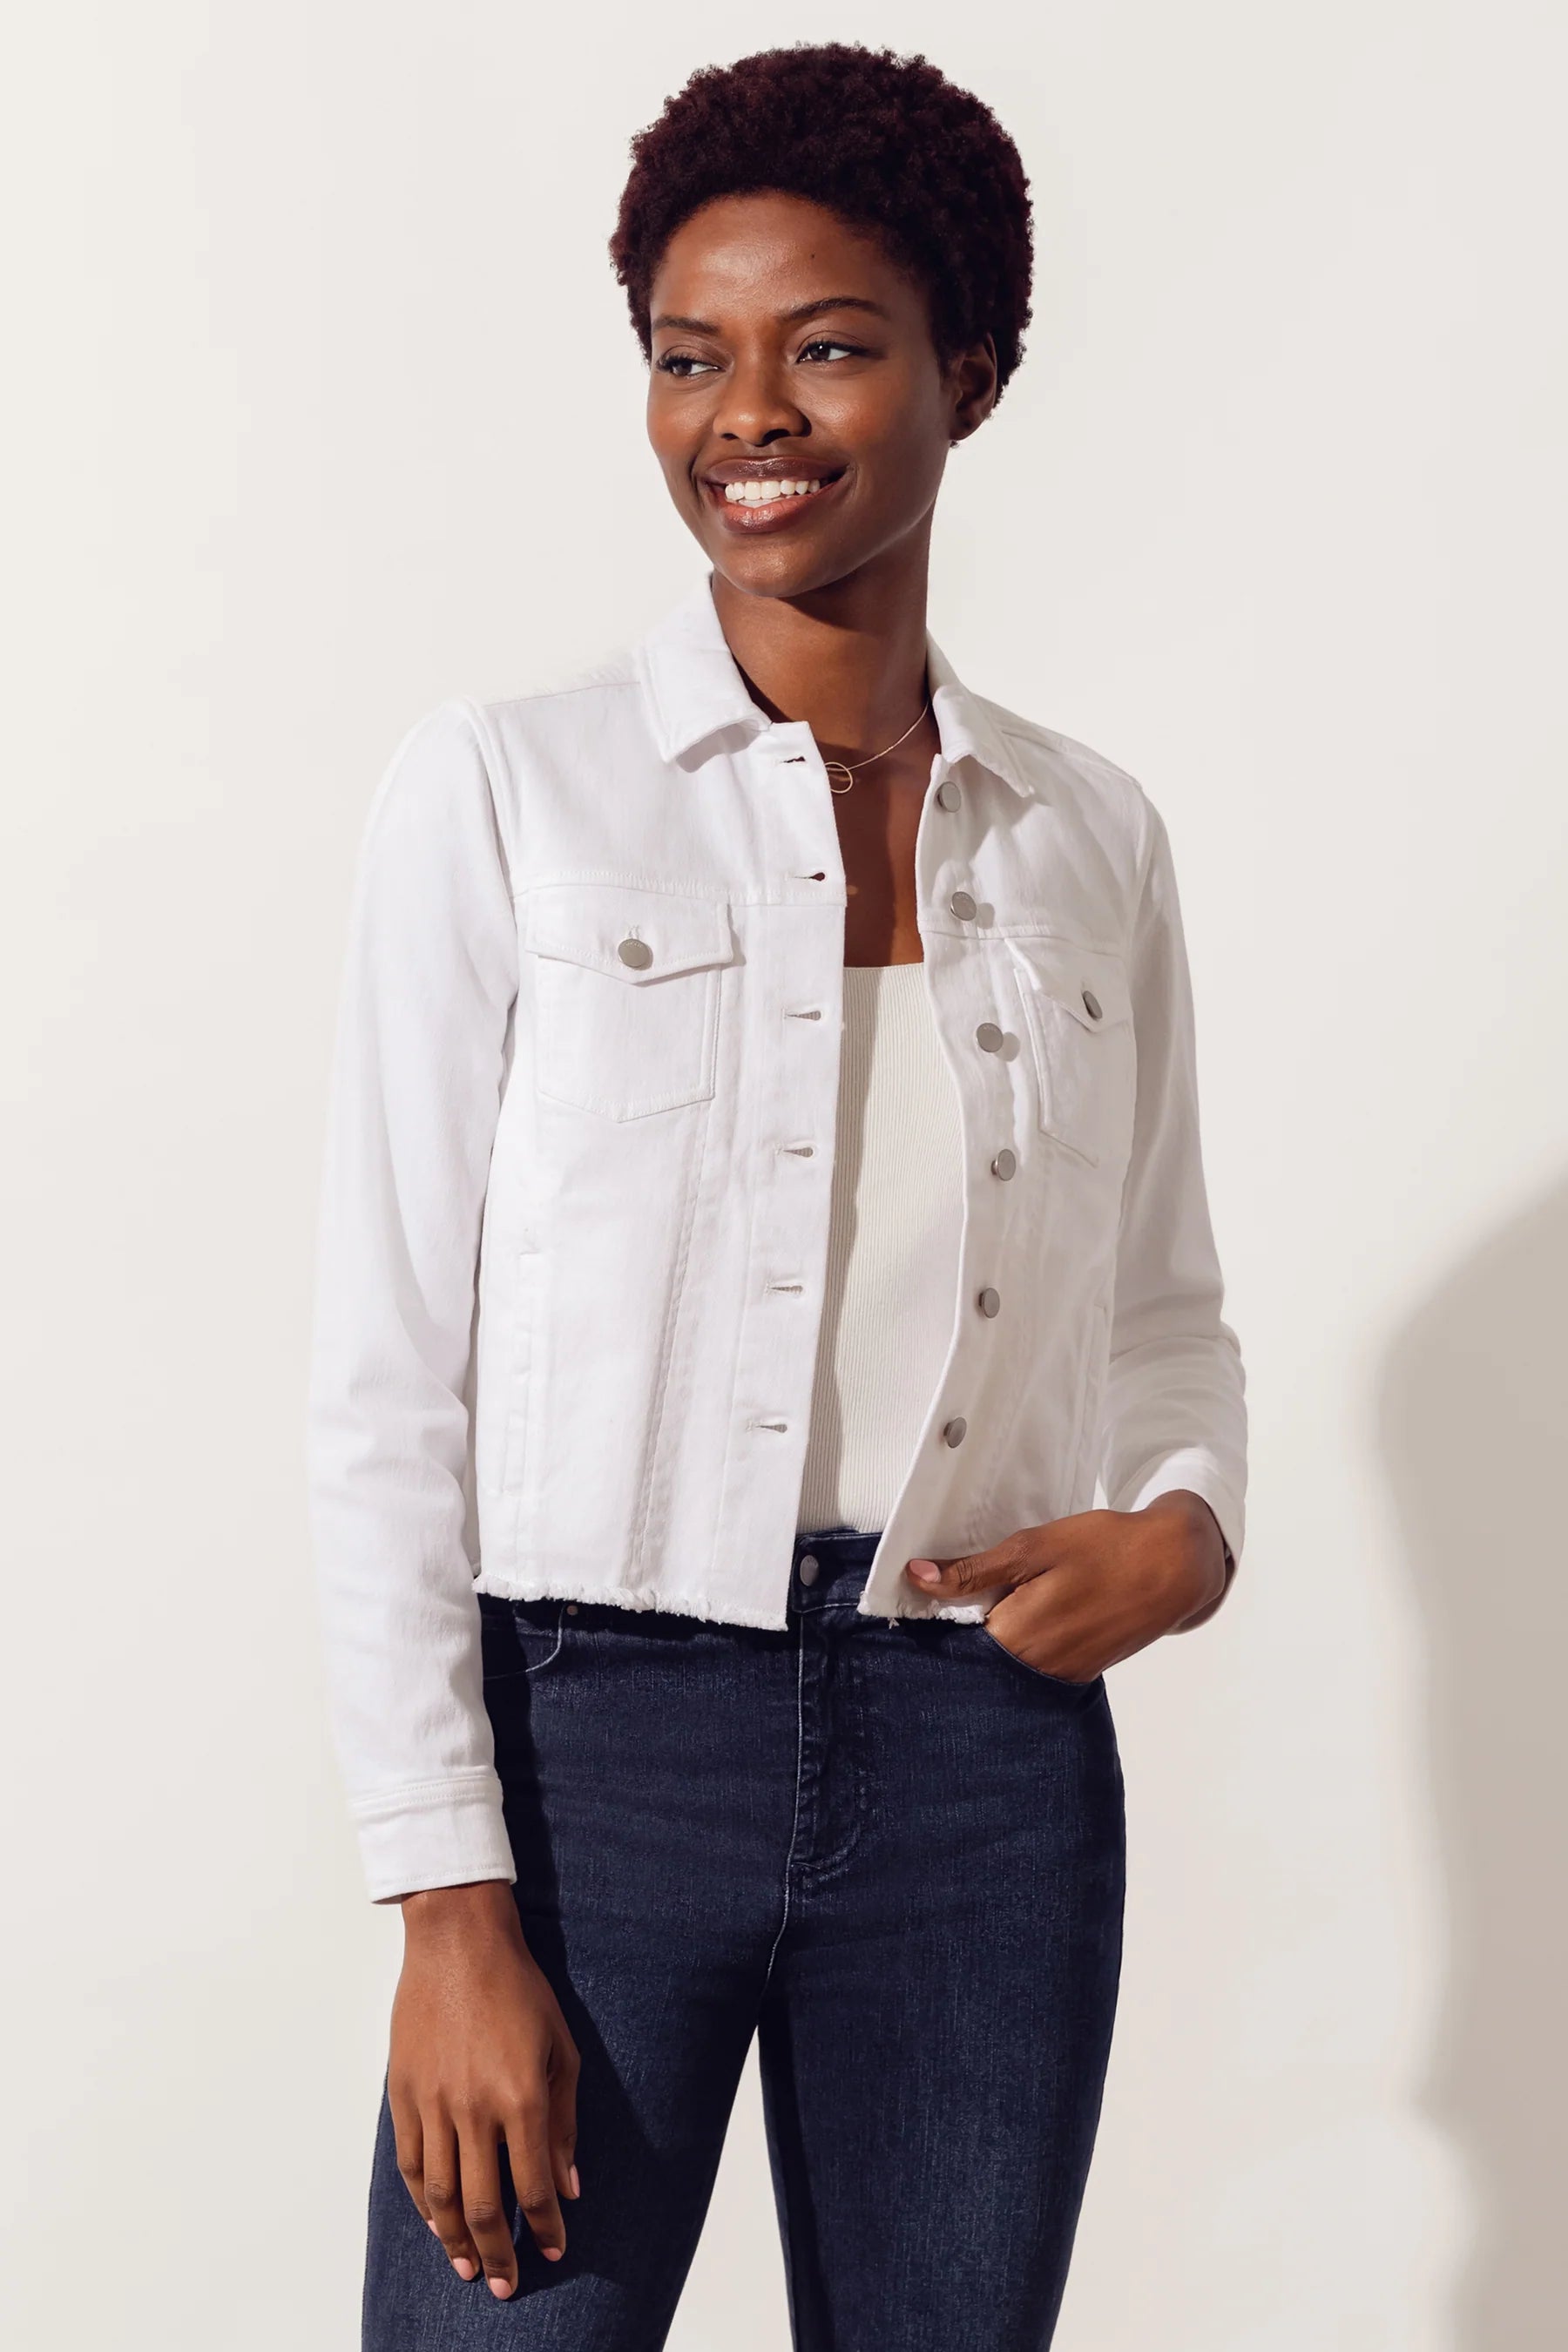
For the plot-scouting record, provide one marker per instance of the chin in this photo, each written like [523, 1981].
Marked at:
[777, 572]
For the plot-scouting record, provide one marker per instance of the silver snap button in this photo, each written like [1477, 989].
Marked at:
[1004, 1165]
[1091, 1003]
[962, 905]
[989, 1301]
[955, 1433]
[948, 795]
[988, 1037]
[635, 954]
[808, 1567]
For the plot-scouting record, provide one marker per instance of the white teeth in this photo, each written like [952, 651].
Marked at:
[766, 494]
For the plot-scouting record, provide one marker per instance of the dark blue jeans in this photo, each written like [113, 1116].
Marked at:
[895, 1853]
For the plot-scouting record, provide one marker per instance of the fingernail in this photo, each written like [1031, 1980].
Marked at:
[925, 1571]
[500, 2286]
[435, 2233]
[577, 2184]
[552, 2253]
[464, 2267]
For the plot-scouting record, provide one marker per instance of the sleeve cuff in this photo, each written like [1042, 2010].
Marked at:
[439, 1833]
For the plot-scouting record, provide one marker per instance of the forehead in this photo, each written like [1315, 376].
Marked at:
[769, 252]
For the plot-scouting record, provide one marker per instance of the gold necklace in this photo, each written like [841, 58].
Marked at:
[846, 768]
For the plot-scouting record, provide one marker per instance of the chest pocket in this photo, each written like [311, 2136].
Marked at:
[1079, 1014]
[625, 994]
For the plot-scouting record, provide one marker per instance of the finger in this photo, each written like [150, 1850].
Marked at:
[527, 2149]
[484, 2207]
[999, 1570]
[408, 2137]
[443, 2192]
[563, 2070]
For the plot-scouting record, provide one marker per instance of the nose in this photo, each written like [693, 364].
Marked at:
[757, 407]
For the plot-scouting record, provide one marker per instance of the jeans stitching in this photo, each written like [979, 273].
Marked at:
[1060, 1682]
[560, 1637]
[794, 1823]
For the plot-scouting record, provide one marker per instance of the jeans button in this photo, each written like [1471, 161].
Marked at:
[808, 1567]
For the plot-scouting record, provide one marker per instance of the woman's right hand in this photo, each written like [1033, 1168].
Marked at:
[480, 2054]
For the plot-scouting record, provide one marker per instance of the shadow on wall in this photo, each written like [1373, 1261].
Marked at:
[1474, 1422]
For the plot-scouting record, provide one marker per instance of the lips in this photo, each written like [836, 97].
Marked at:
[755, 495]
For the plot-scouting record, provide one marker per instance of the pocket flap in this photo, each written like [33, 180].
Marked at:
[629, 934]
[1089, 983]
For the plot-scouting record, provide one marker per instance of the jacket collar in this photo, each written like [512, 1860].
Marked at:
[695, 689]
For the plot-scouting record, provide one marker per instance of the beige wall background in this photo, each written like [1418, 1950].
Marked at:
[322, 405]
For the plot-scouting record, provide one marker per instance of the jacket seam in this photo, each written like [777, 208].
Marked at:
[1146, 868]
[427, 1796]
[666, 1338]
[493, 761]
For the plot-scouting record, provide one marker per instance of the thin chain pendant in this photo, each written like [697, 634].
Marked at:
[846, 768]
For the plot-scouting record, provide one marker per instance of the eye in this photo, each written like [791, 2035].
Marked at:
[683, 364]
[828, 347]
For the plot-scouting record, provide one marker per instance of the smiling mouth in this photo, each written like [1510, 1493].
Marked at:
[769, 501]
[763, 494]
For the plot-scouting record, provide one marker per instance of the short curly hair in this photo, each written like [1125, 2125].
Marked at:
[886, 142]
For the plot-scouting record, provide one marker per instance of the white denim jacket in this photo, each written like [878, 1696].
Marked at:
[580, 1149]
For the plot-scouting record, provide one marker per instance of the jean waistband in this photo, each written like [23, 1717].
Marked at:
[829, 1567]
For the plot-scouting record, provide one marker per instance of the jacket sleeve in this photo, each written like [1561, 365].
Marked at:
[422, 1039]
[1175, 1413]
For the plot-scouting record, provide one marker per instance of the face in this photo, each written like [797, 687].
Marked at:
[797, 402]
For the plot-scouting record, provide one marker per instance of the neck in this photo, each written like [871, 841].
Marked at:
[849, 659]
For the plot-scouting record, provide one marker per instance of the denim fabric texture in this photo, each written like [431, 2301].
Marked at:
[890, 1849]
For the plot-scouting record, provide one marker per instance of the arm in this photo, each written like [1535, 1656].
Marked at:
[429, 980]
[480, 2054]
[1174, 1414]
[1081, 1592]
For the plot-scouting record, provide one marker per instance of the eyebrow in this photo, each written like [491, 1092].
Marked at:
[789, 317]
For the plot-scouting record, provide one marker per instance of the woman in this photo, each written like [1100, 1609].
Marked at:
[763, 1196]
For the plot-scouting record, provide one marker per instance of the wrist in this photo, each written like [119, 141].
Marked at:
[482, 1906]
[1202, 1558]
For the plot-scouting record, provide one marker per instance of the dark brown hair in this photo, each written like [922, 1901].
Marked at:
[886, 142]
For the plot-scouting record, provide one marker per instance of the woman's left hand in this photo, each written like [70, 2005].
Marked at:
[1079, 1594]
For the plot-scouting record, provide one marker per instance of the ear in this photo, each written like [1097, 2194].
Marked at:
[972, 377]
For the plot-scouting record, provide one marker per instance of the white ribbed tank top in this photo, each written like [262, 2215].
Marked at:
[892, 1251]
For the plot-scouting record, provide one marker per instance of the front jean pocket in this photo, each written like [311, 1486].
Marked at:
[625, 986]
[519, 1638]
[1038, 1674]
[1077, 1010]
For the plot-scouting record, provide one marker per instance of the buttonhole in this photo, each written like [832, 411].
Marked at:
[816, 1015]
[786, 1285]
[770, 1424]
